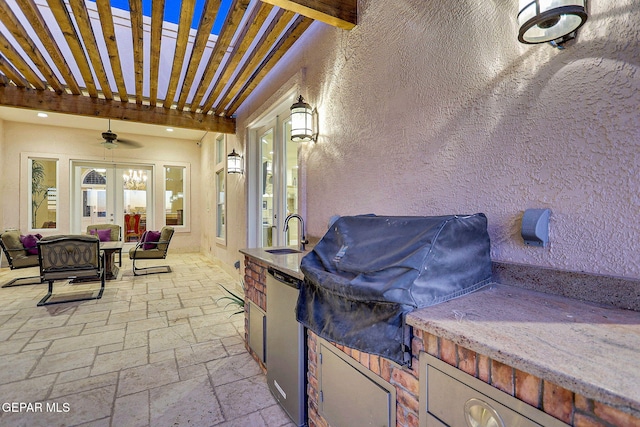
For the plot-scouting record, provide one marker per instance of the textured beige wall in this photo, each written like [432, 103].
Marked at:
[430, 108]
[81, 144]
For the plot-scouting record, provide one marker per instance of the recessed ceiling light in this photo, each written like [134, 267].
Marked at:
[169, 129]
[43, 115]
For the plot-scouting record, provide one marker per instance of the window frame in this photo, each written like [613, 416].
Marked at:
[30, 159]
[220, 173]
[186, 196]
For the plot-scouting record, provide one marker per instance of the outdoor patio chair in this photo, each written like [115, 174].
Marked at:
[75, 258]
[107, 233]
[152, 245]
[19, 256]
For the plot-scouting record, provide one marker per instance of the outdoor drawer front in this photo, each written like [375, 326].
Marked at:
[351, 396]
[447, 398]
[257, 328]
[433, 421]
[448, 394]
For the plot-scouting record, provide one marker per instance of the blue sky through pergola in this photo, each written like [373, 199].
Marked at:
[172, 11]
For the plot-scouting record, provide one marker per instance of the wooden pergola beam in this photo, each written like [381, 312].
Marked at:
[338, 13]
[42, 100]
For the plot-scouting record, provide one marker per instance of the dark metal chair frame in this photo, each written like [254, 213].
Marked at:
[70, 257]
[161, 254]
[10, 255]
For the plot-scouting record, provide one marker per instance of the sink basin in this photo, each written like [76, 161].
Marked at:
[283, 251]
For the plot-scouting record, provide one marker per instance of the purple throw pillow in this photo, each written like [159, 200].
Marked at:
[103, 235]
[150, 236]
[30, 243]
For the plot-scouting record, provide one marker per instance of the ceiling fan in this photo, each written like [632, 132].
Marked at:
[112, 141]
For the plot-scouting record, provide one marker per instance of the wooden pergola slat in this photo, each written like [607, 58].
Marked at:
[267, 40]
[137, 35]
[157, 17]
[98, 107]
[339, 13]
[33, 15]
[108, 31]
[63, 18]
[246, 37]
[184, 28]
[13, 74]
[18, 32]
[209, 13]
[81, 15]
[12, 55]
[232, 22]
[294, 32]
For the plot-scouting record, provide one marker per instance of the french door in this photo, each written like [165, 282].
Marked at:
[276, 191]
[103, 193]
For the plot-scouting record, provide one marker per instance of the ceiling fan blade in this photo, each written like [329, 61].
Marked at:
[130, 143]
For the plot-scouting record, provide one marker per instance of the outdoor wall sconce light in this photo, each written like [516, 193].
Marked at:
[553, 21]
[302, 122]
[234, 162]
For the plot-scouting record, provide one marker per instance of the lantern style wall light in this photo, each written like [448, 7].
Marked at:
[302, 122]
[234, 162]
[553, 21]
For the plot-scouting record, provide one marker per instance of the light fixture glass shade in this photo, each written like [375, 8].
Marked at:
[301, 121]
[542, 21]
[234, 162]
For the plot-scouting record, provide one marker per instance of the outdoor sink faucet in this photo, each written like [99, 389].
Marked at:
[303, 238]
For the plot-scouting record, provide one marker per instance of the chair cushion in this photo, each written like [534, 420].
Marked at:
[11, 241]
[165, 236]
[104, 235]
[30, 243]
[150, 236]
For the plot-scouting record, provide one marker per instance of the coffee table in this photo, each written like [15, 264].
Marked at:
[110, 268]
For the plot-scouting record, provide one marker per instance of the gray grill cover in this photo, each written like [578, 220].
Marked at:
[368, 271]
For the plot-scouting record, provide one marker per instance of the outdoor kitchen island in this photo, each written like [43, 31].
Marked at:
[573, 360]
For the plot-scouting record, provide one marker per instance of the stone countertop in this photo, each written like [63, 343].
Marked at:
[285, 263]
[587, 348]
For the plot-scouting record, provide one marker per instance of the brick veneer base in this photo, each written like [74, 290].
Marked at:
[255, 279]
[571, 408]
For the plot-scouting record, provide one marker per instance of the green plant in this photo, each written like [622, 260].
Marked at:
[39, 190]
[234, 299]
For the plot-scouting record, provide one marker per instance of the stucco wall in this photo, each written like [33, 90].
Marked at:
[68, 144]
[430, 108]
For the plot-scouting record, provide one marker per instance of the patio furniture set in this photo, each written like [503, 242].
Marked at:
[81, 258]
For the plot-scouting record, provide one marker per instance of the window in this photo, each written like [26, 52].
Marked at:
[44, 193]
[221, 176]
[174, 195]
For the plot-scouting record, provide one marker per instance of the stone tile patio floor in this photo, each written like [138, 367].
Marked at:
[159, 350]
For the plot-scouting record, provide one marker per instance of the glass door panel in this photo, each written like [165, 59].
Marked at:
[266, 181]
[111, 194]
[291, 181]
[135, 199]
[278, 183]
[97, 199]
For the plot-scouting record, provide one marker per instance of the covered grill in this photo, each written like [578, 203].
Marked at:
[369, 271]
